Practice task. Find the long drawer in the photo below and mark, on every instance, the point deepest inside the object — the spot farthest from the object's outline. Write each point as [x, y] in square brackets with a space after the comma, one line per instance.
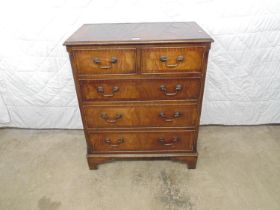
[141, 115]
[140, 89]
[142, 141]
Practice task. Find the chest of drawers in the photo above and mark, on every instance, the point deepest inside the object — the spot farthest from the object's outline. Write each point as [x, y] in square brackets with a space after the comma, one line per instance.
[140, 89]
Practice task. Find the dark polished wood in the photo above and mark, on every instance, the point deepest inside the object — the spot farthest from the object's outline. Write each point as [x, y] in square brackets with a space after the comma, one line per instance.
[140, 89]
[129, 33]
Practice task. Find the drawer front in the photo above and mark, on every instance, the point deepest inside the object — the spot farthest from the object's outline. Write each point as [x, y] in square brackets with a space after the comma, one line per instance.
[142, 141]
[105, 61]
[140, 89]
[123, 116]
[172, 59]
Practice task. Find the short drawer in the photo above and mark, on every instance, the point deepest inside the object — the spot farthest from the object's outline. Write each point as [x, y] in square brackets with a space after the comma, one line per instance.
[142, 141]
[139, 115]
[172, 59]
[140, 89]
[105, 61]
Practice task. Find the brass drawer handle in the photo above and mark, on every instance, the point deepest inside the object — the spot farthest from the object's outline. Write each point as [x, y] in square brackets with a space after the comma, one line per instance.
[170, 119]
[171, 142]
[164, 59]
[177, 89]
[105, 117]
[118, 142]
[97, 61]
[100, 90]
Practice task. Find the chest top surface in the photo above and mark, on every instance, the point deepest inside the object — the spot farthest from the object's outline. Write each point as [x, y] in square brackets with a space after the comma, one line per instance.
[138, 33]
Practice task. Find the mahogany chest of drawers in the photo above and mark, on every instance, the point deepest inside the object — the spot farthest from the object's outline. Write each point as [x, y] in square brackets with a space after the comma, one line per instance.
[140, 89]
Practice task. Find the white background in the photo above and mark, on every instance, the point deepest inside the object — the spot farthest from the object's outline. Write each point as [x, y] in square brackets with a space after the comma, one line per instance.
[36, 85]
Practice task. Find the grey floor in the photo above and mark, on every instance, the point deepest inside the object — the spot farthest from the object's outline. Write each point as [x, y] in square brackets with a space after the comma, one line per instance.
[238, 168]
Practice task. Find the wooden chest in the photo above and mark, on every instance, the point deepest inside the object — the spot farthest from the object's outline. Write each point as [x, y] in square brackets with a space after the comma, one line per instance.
[140, 89]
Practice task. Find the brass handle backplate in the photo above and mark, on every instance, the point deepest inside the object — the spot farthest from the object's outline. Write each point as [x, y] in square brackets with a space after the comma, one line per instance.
[100, 90]
[97, 61]
[170, 119]
[171, 142]
[177, 89]
[118, 142]
[114, 119]
[165, 59]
